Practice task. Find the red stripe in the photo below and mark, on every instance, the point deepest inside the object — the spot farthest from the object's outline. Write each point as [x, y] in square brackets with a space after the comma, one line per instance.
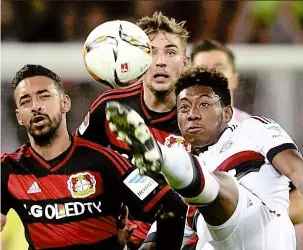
[114, 96]
[112, 137]
[113, 156]
[52, 186]
[193, 241]
[60, 235]
[115, 92]
[16, 155]
[61, 164]
[165, 118]
[156, 198]
[238, 158]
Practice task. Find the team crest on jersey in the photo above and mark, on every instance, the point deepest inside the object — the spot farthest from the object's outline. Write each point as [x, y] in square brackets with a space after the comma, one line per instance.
[174, 141]
[84, 124]
[81, 185]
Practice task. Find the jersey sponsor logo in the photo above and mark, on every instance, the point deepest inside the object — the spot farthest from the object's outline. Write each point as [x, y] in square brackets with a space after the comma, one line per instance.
[81, 185]
[276, 130]
[84, 125]
[34, 188]
[174, 141]
[141, 186]
[59, 211]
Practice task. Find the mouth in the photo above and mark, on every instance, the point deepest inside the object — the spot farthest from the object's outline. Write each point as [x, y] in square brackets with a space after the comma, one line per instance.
[39, 120]
[161, 76]
[194, 129]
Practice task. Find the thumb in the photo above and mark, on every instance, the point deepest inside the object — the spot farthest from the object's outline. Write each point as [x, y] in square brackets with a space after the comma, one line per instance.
[132, 227]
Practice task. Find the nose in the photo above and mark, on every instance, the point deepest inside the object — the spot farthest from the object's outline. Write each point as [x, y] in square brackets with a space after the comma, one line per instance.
[194, 114]
[36, 106]
[160, 60]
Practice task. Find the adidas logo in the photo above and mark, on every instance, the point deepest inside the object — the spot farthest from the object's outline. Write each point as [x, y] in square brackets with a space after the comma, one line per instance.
[34, 188]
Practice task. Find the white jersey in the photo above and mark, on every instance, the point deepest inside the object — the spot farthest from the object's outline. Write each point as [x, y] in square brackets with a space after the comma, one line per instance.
[246, 152]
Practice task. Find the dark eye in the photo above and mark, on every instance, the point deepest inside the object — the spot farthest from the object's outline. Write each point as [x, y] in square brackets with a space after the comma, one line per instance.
[24, 102]
[45, 96]
[171, 52]
[184, 107]
[204, 105]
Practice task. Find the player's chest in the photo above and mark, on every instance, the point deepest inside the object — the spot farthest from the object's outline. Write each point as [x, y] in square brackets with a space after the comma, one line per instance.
[230, 153]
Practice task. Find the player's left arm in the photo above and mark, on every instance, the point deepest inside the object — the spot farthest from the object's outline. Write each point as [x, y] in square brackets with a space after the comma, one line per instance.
[290, 163]
[278, 147]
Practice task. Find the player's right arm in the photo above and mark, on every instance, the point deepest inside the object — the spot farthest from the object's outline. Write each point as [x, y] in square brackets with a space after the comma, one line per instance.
[6, 198]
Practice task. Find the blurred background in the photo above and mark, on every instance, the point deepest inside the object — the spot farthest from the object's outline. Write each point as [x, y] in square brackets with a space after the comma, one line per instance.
[266, 37]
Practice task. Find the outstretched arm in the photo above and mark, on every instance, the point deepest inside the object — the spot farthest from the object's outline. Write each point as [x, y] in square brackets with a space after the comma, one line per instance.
[290, 163]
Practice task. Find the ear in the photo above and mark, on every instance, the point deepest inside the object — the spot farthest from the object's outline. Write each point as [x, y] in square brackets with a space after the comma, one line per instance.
[185, 62]
[228, 113]
[66, 103]
[18, 116]
[234, 83]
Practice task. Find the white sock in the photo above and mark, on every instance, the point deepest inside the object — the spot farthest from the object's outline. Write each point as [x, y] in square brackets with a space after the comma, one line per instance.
[188, 176]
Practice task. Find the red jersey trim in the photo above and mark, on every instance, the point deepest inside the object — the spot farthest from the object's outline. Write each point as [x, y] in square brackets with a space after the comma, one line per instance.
[114, 94]
[156, 198]
[119, 162]
[238, 158]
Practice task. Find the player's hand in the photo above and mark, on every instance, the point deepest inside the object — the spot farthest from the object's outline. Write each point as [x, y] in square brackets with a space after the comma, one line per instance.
[125, 230]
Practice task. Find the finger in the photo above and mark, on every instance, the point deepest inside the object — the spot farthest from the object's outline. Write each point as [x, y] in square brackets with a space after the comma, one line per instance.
[132, 227]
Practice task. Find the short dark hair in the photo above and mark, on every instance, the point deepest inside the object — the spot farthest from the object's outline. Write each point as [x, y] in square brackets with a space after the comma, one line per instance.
[209, 45]
[31, 70]
[208, 78]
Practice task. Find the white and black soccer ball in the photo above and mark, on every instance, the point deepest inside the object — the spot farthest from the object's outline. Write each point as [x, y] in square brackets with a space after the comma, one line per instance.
[117, 53]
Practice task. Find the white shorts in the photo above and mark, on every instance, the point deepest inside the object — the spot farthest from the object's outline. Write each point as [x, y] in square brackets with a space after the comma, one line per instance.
[253, 226]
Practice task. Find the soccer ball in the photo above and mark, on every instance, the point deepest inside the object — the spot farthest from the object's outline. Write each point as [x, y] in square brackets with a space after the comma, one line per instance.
[117, 53]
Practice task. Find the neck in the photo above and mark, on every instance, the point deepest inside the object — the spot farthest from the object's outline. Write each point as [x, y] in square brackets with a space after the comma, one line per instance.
[159, 101]
[232, 98]
[59, 143]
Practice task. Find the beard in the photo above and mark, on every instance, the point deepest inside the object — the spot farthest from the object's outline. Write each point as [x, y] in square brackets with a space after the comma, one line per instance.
[44, 136]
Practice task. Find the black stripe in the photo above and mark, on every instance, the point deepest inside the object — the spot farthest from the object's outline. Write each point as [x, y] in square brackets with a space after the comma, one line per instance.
[152, 237]
[248, 167]
[194, 188]
[274, 151]
[259, 119]
[266, 119]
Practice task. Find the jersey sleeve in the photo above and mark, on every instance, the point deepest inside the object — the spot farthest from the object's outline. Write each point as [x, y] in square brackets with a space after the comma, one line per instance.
[268, 136]
[93, 126]
[6, 198]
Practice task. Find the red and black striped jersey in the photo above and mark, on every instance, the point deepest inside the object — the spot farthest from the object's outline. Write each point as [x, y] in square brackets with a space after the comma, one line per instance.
[72, 201]
[164, 126]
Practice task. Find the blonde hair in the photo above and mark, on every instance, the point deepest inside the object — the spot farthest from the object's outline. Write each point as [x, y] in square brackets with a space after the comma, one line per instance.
[159, 22]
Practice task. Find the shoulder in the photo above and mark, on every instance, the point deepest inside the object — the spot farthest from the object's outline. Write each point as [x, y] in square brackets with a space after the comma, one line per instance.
[105, 153]
[116, 94]
[15, 156]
